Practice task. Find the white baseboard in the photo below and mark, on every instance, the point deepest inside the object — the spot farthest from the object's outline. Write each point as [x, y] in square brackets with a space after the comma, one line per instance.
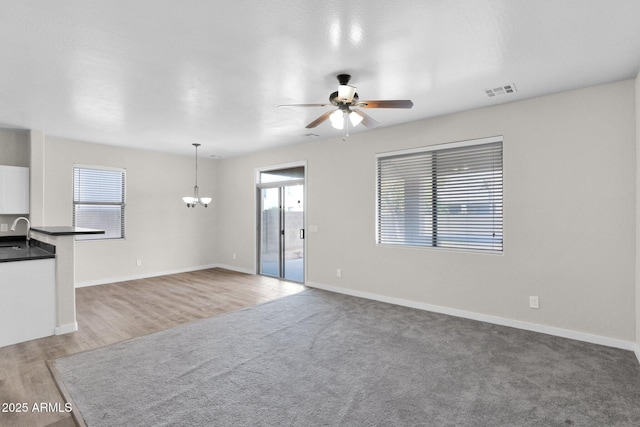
[144, 275]
[66, 329]
[549, 330]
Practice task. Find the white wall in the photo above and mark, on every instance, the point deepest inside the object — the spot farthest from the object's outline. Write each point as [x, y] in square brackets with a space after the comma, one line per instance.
[160, 231]
[569, 206]
[14, 151]
[14, 147]
[637, 111]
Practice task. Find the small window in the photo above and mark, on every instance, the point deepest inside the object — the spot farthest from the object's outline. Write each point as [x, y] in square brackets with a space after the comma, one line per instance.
[446, 196]
[99, 201]
[279, 175]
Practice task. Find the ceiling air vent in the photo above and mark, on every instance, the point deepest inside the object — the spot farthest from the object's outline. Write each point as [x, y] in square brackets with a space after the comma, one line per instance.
[501, 90]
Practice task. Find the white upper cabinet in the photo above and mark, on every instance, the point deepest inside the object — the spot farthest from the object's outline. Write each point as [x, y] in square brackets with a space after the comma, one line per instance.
[14, 190]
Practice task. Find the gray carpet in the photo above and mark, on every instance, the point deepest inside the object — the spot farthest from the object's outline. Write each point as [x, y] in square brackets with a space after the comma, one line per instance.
[323, 359]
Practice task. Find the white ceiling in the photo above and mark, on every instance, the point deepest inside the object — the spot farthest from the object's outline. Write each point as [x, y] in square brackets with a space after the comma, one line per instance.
[163, 74]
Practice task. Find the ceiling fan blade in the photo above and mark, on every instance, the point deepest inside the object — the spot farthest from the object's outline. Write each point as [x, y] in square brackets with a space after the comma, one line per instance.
[367, 120]
[304, 105]
[319, 120]
[399, 103]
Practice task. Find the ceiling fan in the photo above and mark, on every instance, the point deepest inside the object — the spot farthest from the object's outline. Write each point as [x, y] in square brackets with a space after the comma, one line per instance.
[348, 103]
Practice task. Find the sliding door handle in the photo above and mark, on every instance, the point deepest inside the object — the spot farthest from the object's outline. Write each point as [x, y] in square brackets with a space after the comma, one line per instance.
[302, 233]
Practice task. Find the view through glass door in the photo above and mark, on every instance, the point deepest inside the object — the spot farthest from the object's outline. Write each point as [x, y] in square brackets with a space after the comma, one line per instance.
[281, 228]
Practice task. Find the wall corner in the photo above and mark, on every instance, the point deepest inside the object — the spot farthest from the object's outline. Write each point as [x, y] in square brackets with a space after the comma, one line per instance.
[637, 255]
[37, 189]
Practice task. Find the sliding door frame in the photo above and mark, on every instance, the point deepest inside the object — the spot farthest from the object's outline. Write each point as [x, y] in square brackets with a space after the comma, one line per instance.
[258, 186]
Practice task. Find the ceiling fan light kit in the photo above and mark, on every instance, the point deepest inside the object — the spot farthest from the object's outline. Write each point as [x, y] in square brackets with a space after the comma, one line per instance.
[346, 93]
[355, 118]
[337, 119]
[348, 103]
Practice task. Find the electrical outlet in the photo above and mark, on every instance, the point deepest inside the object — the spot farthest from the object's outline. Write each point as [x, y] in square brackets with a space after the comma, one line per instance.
[339, 272]
[139, 263]
[4, 227]
[534, 302]
[235, 256]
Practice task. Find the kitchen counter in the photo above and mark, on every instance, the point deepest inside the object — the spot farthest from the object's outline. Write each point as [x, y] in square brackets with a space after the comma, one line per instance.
[63, 238]
[65, 231]
[17, 250]
[38, 293]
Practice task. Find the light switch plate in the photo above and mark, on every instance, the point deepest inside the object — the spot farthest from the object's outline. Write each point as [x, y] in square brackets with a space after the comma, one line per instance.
[534, 302]
[4, 227]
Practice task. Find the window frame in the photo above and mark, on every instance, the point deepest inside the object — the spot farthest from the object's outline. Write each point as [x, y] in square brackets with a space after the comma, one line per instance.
[435, 218]
[122, 204]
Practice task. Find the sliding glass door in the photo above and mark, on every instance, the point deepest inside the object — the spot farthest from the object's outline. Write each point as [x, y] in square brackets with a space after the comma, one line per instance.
[281, 224]
[293, 233]
[270, 232]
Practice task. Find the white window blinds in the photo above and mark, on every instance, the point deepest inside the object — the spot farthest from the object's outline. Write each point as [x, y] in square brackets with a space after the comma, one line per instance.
[99, 201]
[448, 196]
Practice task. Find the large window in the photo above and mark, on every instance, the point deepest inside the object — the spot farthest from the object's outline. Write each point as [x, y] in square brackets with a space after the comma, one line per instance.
[447, 196]
[99, 201]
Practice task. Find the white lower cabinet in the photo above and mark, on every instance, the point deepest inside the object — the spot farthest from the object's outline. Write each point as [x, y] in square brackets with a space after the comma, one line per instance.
[27, 300]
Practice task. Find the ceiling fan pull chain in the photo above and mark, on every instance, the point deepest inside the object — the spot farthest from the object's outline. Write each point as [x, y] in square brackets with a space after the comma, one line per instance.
[346, 126]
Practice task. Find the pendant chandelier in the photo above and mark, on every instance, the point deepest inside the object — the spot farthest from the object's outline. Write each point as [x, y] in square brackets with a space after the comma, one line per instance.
[194, 200]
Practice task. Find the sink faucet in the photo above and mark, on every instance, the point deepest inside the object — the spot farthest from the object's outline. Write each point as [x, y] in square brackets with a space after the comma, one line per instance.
[13, 226]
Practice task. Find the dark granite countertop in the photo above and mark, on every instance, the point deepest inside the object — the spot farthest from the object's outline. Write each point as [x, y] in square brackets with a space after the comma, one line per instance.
[65, 231]
[16, 249]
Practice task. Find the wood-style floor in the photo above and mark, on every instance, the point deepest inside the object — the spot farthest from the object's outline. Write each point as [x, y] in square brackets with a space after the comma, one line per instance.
[117, 312]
